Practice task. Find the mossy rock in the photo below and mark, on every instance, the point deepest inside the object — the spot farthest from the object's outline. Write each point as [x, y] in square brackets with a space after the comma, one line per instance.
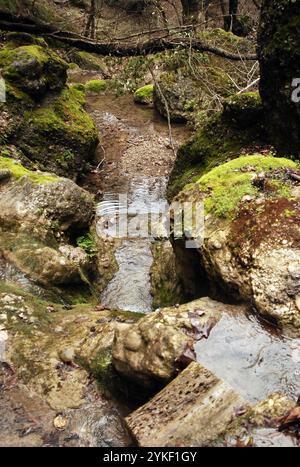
[96, 86]
[16, 170]
[61, 137]
[33, 69]
[17, 39]
[244, 109]
[87, 61]
[144, 95]
[250, 245]
[223, 137]
[225, 186]
[186, 93]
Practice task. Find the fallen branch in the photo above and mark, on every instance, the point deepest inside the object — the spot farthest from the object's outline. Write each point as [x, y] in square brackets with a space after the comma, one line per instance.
[114, 48]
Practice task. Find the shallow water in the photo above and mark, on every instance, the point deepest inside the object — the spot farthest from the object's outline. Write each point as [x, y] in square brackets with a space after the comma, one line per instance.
[252, 357]
[130, 288]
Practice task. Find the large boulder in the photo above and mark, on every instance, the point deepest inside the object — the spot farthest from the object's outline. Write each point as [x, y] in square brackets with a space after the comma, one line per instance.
[57, 135]
[34, 69]
[153, 350]
[60, 136]
[39, 212]
[279, 53]
[185, 94]
[194, 84]
[251, 245]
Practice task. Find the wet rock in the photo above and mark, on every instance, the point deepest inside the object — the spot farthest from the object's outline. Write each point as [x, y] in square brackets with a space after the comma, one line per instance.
[166, 288]
[260, 424]
[258, 253]
[193, 410]
[153, 350]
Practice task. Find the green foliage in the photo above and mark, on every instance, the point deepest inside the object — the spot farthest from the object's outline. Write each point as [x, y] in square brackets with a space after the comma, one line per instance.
[219, 140]
[88, 244]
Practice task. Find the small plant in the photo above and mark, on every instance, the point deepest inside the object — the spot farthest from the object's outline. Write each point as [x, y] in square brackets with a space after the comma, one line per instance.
[87, 243]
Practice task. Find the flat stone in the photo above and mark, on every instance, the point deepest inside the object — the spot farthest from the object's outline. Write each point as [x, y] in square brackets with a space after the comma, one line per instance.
[193, 410]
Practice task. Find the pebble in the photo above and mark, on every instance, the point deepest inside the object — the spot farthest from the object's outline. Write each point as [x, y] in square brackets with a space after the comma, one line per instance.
[60, 422]
[67, 355]
[247, 198]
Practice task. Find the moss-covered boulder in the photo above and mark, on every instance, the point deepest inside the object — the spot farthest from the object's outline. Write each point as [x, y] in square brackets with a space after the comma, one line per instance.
[279, 52]
[194, 84]
[144, 95]
[39, 213]
[88, 61]
[250, 249]
[238, 128]
[185, 93]
[96, 86]
[33, 69]
[59, 135]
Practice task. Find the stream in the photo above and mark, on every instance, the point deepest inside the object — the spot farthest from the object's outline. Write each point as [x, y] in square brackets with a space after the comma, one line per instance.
[250, 354]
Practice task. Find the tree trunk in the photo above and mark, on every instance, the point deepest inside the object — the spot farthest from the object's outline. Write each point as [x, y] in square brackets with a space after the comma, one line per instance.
[190, 11]
[230, 20]
[90, 29]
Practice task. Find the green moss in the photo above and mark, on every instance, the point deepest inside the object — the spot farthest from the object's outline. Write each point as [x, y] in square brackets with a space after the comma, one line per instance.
[219, 140]
[244, 109]
[144, 95]
[78, 87]
[87, 61]
[226, 185]
[18, 171]
[96, 86]
[67, 126]
[32, 69]
[15, 39]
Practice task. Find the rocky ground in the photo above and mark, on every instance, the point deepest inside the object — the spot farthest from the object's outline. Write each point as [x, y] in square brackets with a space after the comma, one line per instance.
[75, 373]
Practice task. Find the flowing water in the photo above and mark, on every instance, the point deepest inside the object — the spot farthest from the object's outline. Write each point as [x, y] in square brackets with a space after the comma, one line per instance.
[250, 355]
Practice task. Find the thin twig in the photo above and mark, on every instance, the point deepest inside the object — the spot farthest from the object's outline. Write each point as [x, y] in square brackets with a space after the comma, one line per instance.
[167, 108]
